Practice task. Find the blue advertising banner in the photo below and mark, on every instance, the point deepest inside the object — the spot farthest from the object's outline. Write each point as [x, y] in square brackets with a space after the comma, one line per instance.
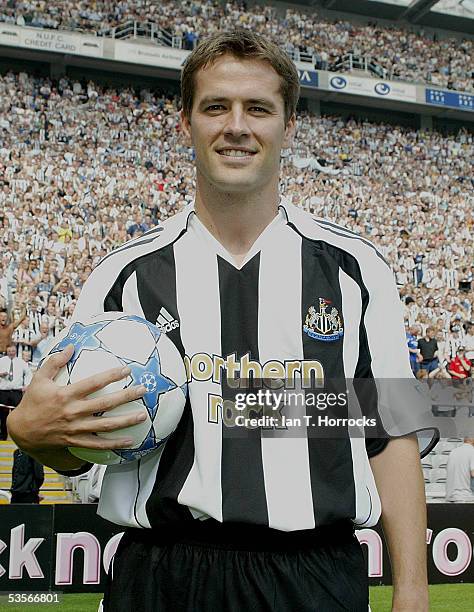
[308, 78]
[454, 99]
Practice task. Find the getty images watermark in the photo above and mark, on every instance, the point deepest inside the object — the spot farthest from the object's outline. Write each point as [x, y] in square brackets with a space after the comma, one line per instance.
[270, 406]
[369, 408]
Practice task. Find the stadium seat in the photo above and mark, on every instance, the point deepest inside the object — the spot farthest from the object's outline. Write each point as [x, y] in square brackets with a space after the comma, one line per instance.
[438, 475]
[427, 462]
[439, 448]
[448, 447]
[435, 490]
[5, 496]
[440, 461]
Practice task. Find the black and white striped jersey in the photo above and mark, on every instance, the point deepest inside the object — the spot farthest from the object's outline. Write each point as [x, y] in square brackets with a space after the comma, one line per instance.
[180, 277]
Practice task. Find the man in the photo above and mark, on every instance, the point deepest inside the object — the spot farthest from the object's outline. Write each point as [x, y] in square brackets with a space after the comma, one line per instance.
[40, 342]
[460, 470]
[429, 351]
[413, 349]
[460, 367]
[241, 521]
[27, 479]
[15, 375]
[7, 329]
[469, 341]
[138, 225]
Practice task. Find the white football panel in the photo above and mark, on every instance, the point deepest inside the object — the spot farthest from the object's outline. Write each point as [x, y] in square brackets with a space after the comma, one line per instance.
[128, 339]
[170, 410]
[96, 362]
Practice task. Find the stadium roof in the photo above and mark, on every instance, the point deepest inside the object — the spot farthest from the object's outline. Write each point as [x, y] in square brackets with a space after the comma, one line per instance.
[444, 14]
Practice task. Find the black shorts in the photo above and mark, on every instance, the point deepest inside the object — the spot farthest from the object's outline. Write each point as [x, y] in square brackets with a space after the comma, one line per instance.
[210, 567]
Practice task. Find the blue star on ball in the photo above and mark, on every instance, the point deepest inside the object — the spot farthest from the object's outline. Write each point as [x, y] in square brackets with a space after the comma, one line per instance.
[150, 376]
[82, 337]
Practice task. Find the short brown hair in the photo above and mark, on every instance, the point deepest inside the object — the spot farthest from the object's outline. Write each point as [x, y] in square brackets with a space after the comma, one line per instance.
[242, 44]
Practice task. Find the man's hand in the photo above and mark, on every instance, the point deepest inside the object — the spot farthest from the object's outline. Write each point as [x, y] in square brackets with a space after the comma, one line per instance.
[51, 417]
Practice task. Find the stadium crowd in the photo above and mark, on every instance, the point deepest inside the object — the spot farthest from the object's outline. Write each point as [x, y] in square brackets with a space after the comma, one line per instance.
[401, 53]
[84, 168]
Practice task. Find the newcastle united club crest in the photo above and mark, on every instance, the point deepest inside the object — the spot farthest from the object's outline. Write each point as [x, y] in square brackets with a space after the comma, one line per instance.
[325, 324]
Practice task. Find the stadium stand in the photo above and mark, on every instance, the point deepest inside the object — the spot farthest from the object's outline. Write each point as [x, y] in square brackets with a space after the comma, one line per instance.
[395, 51]
[85, 166]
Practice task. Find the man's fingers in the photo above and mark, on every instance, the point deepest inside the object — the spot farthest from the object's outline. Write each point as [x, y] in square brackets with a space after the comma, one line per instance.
[53, 364]
[112, 400]
[94, 383]
[98, 443]
[110, 423]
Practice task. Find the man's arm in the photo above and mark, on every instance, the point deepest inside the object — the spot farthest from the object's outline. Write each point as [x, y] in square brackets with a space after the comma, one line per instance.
[21, 318]
[456, 374]
[399, 480]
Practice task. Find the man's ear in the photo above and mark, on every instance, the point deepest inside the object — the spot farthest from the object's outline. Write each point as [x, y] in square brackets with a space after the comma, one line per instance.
[185, 127]
[290, 130]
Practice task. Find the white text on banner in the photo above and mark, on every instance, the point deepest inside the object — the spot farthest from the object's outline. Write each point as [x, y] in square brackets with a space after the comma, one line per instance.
[375, 88]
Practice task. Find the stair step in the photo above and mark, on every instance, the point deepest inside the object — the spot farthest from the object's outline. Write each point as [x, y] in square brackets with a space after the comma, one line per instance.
[56, 495]
[49, 486]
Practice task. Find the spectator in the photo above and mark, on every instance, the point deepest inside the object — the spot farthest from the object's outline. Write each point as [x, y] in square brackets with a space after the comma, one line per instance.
[428, 347]
[7, 329]
[15, 375]
[40, 343]
[413, 349]
[460, 367]
[27, 479]
[469, 341]
[460, 471]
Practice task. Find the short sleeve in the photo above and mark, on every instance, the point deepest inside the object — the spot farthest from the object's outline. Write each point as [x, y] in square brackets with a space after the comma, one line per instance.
[374, 446]
[401, 403]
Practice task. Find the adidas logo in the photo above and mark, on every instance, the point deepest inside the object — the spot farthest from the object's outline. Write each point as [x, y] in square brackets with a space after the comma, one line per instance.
[165, 322]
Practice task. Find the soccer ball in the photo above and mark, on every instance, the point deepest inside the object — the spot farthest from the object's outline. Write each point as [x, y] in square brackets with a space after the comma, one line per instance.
[117, 339]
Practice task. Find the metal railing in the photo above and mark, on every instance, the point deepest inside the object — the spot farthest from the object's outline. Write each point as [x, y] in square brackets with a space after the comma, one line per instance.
[300, 56]
[364, 63]
[148, 30]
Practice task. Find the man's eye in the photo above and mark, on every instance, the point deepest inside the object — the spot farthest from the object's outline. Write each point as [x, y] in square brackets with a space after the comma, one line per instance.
[215, 107]
[259, 109]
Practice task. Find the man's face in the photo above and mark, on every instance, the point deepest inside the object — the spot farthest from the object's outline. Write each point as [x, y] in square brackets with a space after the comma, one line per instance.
[237, 125]
[11, 352]
[3, 318]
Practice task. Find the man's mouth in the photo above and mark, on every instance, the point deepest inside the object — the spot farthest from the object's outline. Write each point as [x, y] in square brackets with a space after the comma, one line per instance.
[236, 153]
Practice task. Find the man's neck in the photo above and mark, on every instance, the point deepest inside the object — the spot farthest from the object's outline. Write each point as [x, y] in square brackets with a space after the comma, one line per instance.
[236, 220]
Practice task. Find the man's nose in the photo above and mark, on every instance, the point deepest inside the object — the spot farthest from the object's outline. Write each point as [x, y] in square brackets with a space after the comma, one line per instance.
[236, 124]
